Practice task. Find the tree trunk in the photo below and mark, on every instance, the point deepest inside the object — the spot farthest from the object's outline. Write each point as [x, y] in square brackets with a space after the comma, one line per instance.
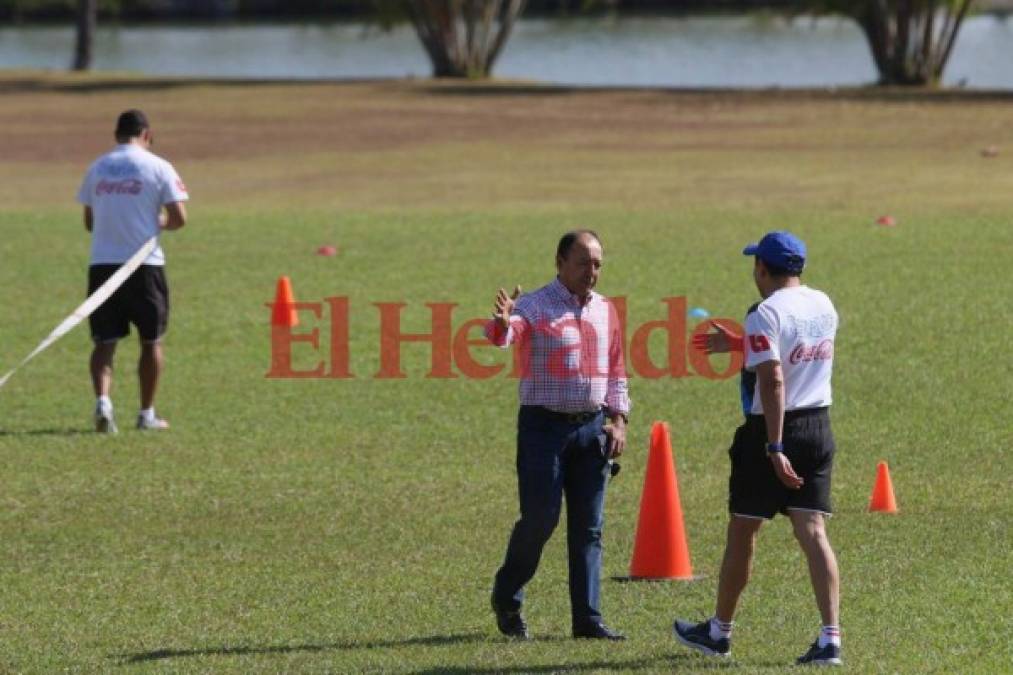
[463, 38]
[87, 17]
[909, 43]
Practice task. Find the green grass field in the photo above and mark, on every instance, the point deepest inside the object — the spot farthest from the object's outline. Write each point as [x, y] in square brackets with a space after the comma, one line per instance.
[354, 525]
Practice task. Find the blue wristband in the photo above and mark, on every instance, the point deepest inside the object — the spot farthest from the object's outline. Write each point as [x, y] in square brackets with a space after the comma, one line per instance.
[775, 447]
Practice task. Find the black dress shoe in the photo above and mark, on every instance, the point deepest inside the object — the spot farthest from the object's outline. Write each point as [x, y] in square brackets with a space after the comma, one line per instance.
[510, 623]
[596, 631]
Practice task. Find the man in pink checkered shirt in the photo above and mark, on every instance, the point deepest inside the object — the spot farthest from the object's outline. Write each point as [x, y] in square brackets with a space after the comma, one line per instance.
[571, 425]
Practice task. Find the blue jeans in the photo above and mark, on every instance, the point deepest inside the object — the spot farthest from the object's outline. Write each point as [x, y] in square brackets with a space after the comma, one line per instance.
[556, 458]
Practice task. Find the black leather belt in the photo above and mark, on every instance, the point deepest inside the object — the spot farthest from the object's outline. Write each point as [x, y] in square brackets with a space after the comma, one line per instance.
[569, 417]
[823, 411]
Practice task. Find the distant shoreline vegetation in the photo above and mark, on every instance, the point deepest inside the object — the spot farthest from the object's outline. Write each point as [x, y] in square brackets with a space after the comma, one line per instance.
[153, 10]
[52, 10]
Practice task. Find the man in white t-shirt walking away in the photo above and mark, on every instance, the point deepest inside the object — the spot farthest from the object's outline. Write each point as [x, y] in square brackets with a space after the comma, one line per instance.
[782, 456]
[130, 195]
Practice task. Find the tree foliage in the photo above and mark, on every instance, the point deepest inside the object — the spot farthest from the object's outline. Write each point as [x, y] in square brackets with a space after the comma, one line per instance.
[911, 40]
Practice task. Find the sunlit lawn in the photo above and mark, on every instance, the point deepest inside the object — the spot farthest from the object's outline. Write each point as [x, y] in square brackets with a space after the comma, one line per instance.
[348, 525]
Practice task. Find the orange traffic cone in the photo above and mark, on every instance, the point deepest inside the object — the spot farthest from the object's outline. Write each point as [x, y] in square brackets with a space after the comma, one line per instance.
[882, 499]
[283, 309]
[660, 550]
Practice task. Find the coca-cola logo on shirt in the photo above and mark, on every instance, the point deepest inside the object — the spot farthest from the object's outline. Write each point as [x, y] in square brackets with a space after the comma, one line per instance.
[802, 353]
[127, 186]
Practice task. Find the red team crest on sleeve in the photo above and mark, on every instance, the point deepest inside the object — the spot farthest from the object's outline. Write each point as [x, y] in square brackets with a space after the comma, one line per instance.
[180, 186]
[759, 343]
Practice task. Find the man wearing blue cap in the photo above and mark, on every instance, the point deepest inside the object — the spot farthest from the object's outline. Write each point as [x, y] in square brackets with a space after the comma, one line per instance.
[782, 456]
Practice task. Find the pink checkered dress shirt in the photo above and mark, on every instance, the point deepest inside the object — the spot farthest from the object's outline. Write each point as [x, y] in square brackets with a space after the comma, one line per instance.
[571, 355]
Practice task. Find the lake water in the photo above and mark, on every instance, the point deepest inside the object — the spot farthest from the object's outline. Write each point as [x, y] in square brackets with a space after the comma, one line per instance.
[736, 51]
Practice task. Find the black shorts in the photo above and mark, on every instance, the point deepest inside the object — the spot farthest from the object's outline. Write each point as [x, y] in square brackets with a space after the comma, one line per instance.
[754, 489]
[142, 300]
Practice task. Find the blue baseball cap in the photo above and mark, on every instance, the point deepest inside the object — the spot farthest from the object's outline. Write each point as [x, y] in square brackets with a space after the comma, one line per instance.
[780, 249]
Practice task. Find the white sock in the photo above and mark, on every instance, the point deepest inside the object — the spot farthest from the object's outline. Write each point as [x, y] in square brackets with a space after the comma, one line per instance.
[829, 635]
[105, 402]
[720, 629]
[148, 414]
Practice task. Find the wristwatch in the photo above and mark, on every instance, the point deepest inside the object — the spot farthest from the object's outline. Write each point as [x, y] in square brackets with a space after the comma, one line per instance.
[774, 448]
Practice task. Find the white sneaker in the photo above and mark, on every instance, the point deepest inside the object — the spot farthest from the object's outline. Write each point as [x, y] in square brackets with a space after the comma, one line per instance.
[152, 423]
[104, 423]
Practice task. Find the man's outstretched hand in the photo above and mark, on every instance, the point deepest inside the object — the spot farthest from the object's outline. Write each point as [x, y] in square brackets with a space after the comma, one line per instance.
[721, 341]
[504, 306]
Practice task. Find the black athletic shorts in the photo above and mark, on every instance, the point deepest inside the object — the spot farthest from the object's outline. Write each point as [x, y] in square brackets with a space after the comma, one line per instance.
[142, 300]
[754, 489]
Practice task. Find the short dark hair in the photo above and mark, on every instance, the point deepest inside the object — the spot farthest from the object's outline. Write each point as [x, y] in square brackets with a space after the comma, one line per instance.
[567, 241]
[777, 271]
[131, 123]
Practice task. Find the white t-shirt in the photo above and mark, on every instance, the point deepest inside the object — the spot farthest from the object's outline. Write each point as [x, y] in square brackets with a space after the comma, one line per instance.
[795, 326]
[126, 189]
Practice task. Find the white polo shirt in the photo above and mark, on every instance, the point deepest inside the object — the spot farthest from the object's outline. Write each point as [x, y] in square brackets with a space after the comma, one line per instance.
[795, 326]
[126, 189]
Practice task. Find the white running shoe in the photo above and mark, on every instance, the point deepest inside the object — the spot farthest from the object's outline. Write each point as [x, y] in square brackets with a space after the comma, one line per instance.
[104, 423]
[151, 424]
